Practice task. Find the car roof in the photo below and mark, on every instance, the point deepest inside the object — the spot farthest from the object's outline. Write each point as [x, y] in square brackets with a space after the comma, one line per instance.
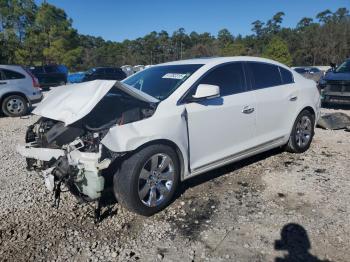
[17, 68]
[11, 66]
[219, 60]
[104, 67]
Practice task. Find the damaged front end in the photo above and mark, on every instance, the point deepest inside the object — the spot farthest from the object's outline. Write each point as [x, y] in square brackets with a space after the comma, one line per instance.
[67, 155]
[73, 155]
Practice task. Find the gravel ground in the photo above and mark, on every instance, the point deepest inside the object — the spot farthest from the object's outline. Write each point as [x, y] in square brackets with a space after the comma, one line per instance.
[235, 213]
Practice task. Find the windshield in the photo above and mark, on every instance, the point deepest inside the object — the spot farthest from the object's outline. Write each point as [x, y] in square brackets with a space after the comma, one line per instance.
[344, 67]
[161, 81]
[90, 71]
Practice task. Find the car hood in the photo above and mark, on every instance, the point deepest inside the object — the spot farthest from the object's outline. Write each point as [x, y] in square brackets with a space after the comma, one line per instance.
[337, 76]
[70, 103]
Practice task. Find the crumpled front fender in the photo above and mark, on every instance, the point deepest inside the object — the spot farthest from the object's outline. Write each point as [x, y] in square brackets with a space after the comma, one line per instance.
[129, 137]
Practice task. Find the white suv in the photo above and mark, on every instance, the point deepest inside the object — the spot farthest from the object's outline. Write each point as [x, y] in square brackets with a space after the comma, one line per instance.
[18, 90]
[166, 124]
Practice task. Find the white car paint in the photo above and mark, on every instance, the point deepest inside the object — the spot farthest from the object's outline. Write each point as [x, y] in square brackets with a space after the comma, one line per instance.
[218, 133]
[217, 140]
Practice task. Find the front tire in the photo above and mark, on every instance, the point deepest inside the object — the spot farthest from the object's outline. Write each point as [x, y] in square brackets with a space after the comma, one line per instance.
[14, 106]
[302, 133]
[147, 180]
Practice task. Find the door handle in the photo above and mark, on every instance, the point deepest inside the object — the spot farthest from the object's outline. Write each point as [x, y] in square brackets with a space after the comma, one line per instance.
[293, 98]
[248, 110]
[3, 83]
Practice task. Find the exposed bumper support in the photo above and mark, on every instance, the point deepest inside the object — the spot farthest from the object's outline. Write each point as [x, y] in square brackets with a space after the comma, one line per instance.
[87, 177]
[43, 154]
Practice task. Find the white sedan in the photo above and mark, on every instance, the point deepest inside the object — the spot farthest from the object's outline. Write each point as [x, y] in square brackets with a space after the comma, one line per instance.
[165, 124]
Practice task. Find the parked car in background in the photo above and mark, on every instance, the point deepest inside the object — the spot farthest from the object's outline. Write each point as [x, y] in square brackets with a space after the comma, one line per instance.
[335, 85]
[128, 69]
[18, 90]
[166, 124]
[76, 77]
[310, 72]
[104, 73]
[138, 68]
[50, 75]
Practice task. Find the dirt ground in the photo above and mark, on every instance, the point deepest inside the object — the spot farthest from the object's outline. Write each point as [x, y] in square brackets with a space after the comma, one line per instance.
[275, 206]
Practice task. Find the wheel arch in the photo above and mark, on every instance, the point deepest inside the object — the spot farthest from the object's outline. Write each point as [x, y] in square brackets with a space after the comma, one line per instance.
[13, 93]
[310, 109]
[5, 95]
[306, 107]
[174, 146]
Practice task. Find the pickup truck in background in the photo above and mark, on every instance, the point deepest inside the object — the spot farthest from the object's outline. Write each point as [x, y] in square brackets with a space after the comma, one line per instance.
[335, 85]
[50, 75]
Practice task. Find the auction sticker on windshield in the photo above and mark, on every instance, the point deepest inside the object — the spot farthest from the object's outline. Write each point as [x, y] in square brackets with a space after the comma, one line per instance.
[174, 76]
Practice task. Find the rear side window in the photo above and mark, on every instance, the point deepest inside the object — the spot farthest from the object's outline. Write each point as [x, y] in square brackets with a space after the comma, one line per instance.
[100, 71]
[51, 69]
[37, 70]
[109, 70]
[230, 79]
[286, 75]
[265, 75]
[11, 75]
[120, 74]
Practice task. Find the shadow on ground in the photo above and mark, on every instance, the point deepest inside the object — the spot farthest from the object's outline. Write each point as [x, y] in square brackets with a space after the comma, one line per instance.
[295, 241]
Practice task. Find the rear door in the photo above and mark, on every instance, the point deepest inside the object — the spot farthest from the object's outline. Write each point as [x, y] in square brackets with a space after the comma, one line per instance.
[11, 79]
[221, 127]
[276, 98]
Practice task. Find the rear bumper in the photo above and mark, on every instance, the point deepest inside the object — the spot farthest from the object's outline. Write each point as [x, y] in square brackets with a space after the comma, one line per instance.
[36, 98]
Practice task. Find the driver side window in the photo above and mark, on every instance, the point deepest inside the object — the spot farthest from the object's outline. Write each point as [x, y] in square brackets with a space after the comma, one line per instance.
[229, 77]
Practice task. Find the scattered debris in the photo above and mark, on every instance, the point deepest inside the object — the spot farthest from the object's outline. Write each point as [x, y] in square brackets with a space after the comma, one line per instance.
[334, 121]
[281, 195]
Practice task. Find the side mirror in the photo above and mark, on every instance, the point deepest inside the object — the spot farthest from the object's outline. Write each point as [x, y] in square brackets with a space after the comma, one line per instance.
[205, 91]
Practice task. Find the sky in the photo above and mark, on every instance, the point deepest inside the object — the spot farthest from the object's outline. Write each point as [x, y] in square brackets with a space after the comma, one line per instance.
[118, 20]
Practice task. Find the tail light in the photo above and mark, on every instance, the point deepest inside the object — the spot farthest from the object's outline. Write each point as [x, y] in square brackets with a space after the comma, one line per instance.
[34, 79]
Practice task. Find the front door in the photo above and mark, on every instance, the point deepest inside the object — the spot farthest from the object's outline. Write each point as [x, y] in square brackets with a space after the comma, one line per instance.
[221, 127]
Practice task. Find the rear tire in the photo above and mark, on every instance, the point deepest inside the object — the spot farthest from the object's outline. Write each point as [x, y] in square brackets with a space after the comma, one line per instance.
[302, 133]
[147, 180]
[14, 106]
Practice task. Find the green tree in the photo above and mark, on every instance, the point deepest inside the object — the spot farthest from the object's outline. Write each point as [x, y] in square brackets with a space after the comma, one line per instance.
[274, 25]
[324, 16]
[224, 38]
[277, 49]
[258, 28]
[16, 16]
[233, 49]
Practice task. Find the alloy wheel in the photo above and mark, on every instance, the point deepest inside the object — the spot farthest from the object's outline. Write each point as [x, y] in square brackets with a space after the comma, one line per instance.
[303, 131]
[156, 179]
